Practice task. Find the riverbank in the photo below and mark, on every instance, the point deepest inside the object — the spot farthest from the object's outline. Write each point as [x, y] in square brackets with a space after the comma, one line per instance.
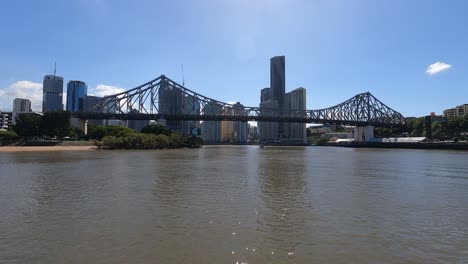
[444, 146]
[46, 148]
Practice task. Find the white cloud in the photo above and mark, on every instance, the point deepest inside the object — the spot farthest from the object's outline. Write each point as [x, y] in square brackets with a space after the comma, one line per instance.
[437, 67]
[105, 90]
[21, 89]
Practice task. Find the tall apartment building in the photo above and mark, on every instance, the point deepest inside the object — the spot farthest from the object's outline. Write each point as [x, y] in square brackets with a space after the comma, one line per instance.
[170, 103]
[191, 106]
[52, 93]
[76, 96]
[296, 100]
[227, 127]
[268, 130]
[20, 105]
[211, 130]
[240, 127]
[266, 94]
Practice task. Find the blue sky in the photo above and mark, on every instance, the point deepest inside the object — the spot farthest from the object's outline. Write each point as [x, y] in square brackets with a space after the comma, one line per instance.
[333, 48]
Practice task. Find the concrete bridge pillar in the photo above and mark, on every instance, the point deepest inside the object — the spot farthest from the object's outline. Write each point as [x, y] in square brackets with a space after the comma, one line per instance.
[84, 126]
[363, 134]
[81, 124]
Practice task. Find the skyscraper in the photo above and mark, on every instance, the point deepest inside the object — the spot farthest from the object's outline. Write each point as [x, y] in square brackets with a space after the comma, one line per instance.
[278, 86]
[268, 130]
[266, 94]
[52, 93]
[227, 127]
[170, 102]
[211, 130]
[277, 79]
[191, 106]
[20, 105]
[276, 103]
[240, 127]
[76, 95]
[297, 104]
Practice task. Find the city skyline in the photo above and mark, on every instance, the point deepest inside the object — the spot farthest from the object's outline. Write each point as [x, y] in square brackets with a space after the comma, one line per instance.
[401, 53]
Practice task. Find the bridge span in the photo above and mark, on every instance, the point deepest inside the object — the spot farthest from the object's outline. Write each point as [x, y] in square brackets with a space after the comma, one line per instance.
[163, 98]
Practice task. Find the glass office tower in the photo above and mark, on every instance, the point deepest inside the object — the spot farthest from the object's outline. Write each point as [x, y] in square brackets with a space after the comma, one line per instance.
[52, 93]
[76, 96]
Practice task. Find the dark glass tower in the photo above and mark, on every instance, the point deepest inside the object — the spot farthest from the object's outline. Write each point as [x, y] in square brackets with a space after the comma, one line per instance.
[277, 79]
[277, 85]
[76, 95]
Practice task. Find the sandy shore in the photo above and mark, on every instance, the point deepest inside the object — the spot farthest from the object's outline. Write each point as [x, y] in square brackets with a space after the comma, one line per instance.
[46, 148]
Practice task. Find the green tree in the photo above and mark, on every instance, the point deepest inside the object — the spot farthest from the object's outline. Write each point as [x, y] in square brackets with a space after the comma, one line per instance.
[8, 135]
[28, 125]
[193, 142]
[56, 123]
[99, 132]
[157, 130]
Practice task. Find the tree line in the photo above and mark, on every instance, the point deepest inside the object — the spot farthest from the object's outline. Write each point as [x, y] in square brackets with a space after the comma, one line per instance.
[454, 128]
[49, 125]
[56, 124]
[151, 137]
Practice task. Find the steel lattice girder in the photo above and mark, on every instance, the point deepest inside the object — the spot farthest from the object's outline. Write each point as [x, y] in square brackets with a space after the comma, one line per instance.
[164, 98]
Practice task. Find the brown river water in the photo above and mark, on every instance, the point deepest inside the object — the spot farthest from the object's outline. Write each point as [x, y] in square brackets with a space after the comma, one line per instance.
[234, 204]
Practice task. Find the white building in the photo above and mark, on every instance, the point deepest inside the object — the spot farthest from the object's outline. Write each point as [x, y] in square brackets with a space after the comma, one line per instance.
[5, 120]
[457, 111]
[295, 101]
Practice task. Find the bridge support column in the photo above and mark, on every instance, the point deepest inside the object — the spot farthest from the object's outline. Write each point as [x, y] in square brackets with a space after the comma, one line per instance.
[363, 134]
[84, 126]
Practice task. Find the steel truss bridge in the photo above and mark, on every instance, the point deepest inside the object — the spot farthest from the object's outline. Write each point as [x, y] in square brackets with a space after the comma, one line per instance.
[162, 98]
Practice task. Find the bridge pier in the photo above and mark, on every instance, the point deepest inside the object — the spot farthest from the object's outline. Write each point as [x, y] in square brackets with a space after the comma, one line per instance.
[84, 126]
[81, 124]
[363, 134]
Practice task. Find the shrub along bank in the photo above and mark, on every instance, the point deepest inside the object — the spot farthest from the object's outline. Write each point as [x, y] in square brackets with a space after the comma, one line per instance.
[153, 137]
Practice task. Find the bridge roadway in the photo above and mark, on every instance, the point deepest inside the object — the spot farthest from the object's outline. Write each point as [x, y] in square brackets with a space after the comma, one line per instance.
[116, 116]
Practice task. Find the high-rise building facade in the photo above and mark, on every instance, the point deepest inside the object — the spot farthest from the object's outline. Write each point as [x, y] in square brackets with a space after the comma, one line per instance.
[240, 127]
[268, 130]
[170, 101]
[52, 93]
[90, 101]
[297, 104]
[275, 103]
[76, 96]
[227, 127]
[20, 105]
[253, 132]
[266, 94]
[191, 106]
[278, 79]
[211, 130]
[278, 86]
[136, 125]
